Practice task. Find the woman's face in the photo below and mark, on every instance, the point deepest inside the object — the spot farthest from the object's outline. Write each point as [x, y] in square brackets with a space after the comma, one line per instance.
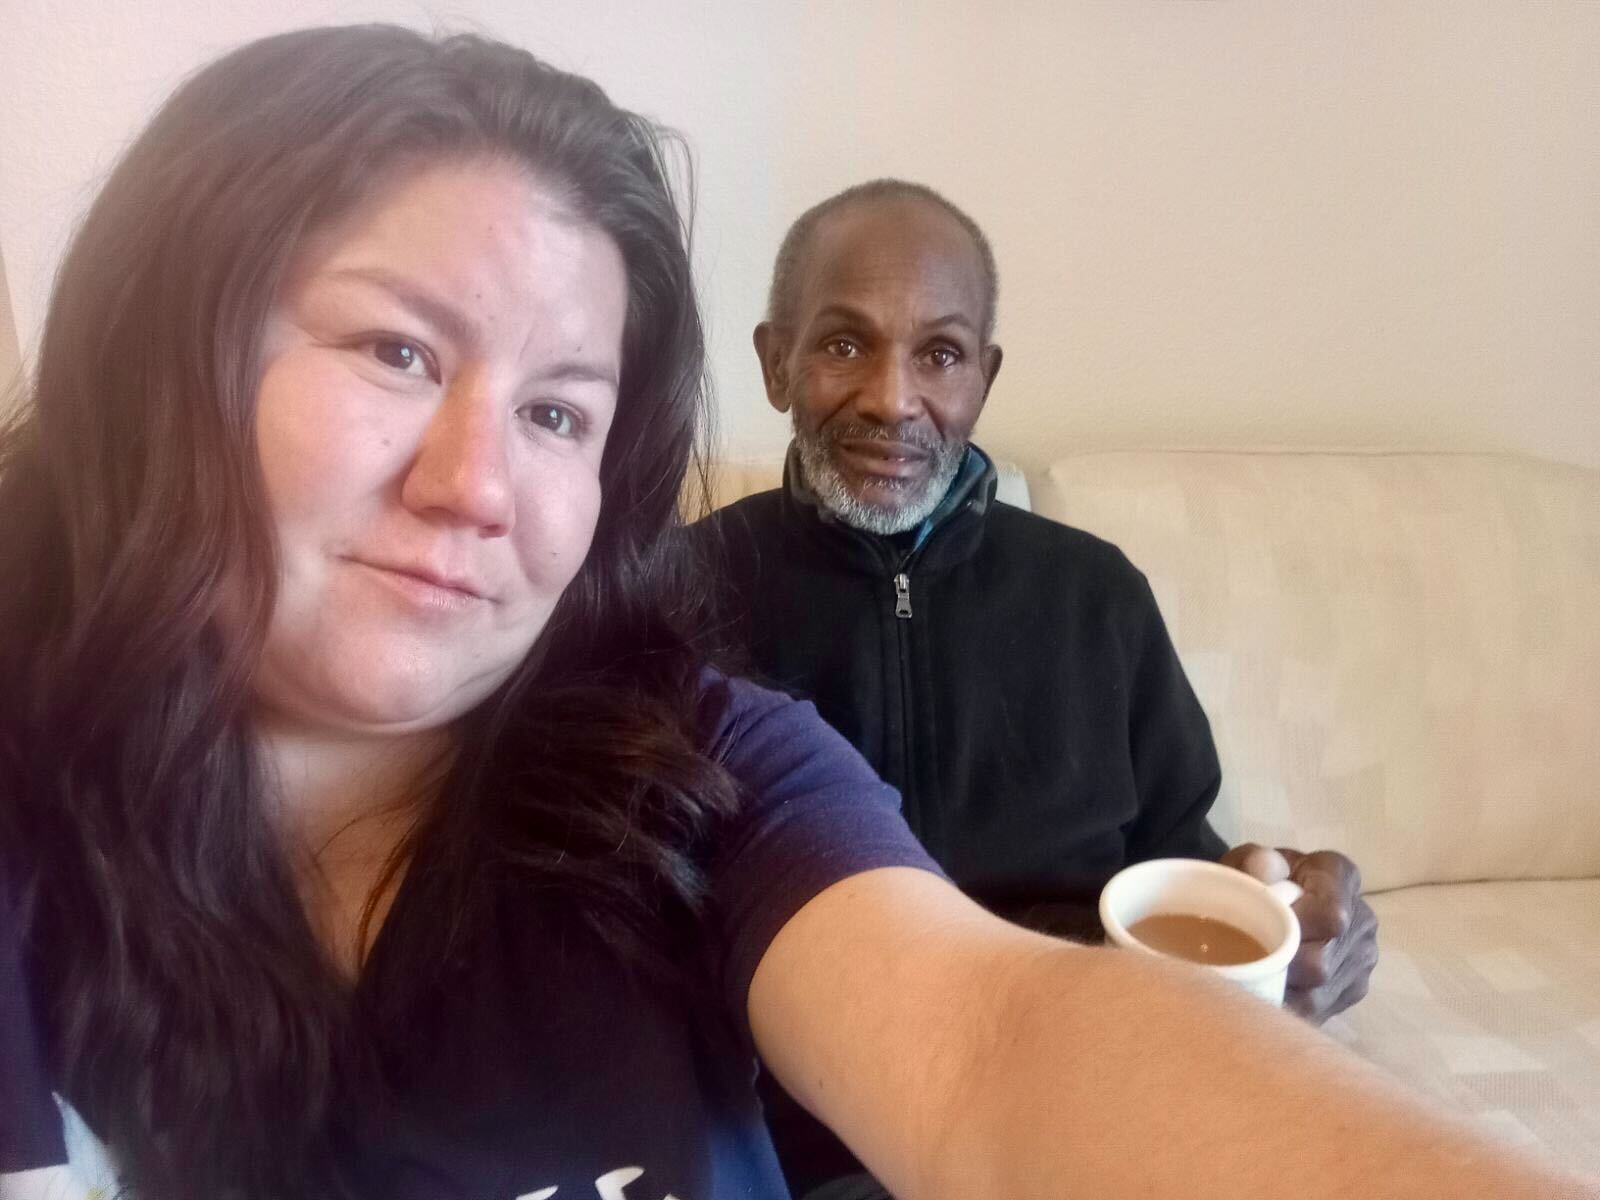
[440, 373]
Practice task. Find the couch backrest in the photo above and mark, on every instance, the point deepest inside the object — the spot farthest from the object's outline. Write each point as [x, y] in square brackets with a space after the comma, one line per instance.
[1400, 654]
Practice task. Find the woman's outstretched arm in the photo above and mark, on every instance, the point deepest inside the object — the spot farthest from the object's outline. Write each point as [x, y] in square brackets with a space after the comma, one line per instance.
[963, 1058]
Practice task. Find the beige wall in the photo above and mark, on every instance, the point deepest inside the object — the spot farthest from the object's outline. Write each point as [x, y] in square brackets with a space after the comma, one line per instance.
[1219, 222]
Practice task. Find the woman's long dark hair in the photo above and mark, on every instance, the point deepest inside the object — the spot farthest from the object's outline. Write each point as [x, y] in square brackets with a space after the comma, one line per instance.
[190, 1012]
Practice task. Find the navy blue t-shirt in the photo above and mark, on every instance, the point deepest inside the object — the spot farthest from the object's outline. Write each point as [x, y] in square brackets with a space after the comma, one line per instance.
[543, 1071]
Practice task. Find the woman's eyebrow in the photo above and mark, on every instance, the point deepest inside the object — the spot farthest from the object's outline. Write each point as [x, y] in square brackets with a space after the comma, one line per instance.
[457, 326]
[580, 371]
[439, 313]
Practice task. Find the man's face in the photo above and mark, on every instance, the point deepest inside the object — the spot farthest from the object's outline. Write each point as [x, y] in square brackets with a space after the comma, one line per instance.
[884, 368]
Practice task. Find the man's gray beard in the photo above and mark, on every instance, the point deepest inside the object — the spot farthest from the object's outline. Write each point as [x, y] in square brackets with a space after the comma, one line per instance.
[833, 493]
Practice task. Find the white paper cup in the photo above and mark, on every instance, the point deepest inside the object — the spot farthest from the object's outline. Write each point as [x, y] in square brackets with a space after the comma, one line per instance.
[1206, 889]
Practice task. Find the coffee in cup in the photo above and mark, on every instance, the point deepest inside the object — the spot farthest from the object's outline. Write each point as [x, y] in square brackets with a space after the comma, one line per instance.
[1202, 912]
[1203, 940]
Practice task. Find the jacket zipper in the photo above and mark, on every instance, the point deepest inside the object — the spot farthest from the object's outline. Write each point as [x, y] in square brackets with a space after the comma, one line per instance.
[902, 595]
[911, 793]
[902, 577]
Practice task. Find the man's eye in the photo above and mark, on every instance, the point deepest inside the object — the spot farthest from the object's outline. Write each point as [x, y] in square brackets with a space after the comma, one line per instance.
[401, 355]
[944, 356]
[557, 418]
[842, 348]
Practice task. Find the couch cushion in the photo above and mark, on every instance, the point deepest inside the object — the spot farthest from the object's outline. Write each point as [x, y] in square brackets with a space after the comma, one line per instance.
[1400, 654]
[1487, 998]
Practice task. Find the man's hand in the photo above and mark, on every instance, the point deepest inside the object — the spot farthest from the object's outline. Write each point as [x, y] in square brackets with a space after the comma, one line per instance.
[1338, 929]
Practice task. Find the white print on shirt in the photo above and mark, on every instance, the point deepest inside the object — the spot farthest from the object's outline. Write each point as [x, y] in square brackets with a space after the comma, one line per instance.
[89, 1173]
[609, 1186]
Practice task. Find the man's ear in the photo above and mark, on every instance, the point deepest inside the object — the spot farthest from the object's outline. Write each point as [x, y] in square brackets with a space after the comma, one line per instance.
[991, 357]
[772, 350]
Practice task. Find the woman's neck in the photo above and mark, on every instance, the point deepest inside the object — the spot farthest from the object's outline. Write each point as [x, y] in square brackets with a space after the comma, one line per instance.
[345, 805]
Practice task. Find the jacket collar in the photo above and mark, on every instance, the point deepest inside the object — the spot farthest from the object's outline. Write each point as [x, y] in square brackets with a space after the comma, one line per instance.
[950, 534]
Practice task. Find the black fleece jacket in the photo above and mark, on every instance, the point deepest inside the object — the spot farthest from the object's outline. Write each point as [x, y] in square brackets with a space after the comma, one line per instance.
[1011, 676]
[1026, 701]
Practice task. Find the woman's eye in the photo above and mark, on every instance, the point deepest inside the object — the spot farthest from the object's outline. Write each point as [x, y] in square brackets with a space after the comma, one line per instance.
[401, 355]
[557, 418]
[944, 356]
[842, 348]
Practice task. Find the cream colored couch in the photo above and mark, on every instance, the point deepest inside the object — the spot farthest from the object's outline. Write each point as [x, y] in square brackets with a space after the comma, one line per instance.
[1400, 656]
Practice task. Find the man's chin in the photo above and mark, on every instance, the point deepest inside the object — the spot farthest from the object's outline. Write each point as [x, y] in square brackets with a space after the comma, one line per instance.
[873, 502]
[889, 490]
[871, 489]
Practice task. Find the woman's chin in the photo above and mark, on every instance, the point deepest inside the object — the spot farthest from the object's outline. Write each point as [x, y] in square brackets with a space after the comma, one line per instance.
[378, 704]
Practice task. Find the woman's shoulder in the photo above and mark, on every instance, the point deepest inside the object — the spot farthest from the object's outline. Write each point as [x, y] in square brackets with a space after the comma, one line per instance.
[749, 724]
[736, 703]
[795, 772]
[812, 813]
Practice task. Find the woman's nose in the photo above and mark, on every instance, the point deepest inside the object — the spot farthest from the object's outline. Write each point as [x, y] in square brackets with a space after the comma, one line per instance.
[462, 469]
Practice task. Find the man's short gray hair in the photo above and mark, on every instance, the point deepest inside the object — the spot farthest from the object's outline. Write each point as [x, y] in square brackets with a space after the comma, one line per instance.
[783, 294]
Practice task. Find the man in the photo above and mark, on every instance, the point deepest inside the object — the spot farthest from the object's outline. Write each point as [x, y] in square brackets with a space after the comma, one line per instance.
[1011, 676]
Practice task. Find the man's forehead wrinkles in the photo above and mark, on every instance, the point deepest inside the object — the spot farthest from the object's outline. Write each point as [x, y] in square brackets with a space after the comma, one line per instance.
[902, 317]
[850, 272]
[916, 298]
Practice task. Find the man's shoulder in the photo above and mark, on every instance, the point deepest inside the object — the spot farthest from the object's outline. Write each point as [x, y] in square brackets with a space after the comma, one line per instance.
[1049, 545]
[756, 509]
[736, 539]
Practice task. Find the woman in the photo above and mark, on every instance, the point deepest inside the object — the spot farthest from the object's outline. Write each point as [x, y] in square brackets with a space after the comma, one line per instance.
[369, 824]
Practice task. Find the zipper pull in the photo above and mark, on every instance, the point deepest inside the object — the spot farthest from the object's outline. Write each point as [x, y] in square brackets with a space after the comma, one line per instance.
[902, 596]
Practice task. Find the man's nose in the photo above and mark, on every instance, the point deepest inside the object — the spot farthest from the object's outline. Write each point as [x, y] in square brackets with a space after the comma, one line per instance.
[891, 394]
[462, 470]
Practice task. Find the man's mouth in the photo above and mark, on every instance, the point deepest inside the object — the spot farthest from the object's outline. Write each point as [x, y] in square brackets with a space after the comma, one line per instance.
[884, 458]
[889, 451]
